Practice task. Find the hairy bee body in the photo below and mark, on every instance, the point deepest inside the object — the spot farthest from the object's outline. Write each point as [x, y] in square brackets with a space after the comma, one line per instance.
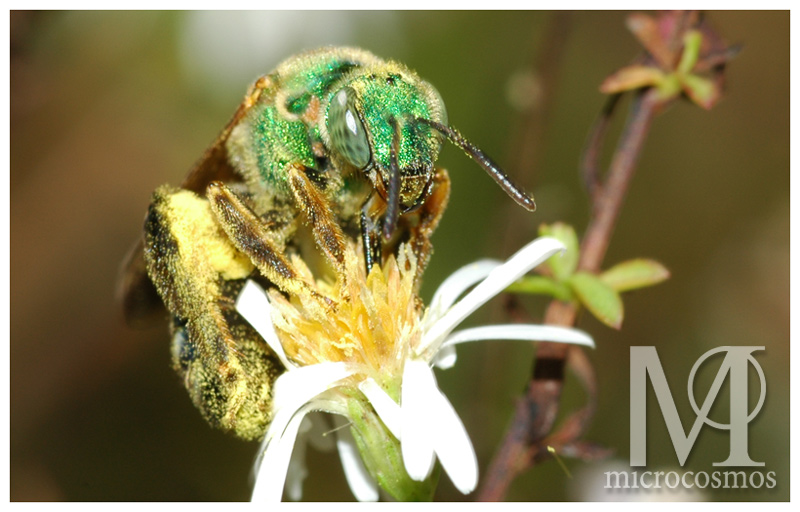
[334, 144]
[275, 185]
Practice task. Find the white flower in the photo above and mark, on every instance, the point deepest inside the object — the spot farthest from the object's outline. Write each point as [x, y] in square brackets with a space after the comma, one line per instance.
[374, 349]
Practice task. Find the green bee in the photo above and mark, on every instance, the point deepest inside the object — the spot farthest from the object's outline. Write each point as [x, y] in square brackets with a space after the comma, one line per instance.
[334, 144]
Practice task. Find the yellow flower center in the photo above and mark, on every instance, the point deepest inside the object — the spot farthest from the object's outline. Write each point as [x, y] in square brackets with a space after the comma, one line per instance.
[373, 323]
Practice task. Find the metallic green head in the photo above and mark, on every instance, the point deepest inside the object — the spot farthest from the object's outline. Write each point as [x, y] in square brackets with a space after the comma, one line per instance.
[375, 120]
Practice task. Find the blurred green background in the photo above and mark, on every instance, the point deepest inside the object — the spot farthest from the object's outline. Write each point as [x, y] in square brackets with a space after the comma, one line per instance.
[105, 106]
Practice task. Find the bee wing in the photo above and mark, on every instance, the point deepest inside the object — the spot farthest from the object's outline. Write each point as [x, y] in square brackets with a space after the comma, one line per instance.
[141, 304]
[214, 165]
[140, 301]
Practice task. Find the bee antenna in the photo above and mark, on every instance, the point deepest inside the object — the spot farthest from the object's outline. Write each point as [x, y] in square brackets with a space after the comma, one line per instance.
[393, 196]
[521, 197]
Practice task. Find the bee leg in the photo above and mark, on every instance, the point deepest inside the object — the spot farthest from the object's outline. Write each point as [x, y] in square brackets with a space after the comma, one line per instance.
[393, 197]
[319, 217]
[251, 236]
[370, 239]
[427, 217]
[226, 366]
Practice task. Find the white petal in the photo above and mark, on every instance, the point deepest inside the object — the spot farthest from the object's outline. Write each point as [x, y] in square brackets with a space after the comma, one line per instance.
[297, 472]
[416, 445]
[525, 332]
[387, 409]
[278, 429]
[451, 443]
[271, 475]
[441, 426]
[313, 431]
[358, 478]
[445, 358]
[498, 280]
[457, 283]
[296, 387]
[254, 306]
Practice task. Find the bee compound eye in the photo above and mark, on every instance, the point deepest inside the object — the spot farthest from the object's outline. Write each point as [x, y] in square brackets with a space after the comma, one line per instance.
[347, 134]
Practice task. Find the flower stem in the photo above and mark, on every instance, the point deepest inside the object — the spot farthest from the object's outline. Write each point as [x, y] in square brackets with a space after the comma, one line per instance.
[382, 455]
[535, 413]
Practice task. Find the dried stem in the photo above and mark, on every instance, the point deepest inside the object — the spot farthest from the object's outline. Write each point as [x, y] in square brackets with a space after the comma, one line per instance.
[535, 413]
[591, 155]
[608, 200]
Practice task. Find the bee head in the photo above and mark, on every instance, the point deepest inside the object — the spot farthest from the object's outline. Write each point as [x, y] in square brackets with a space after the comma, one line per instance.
[371, 124]
[390, 124]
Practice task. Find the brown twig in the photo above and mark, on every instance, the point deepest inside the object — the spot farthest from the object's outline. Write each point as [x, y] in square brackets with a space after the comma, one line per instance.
[607, 202]
[668, 41]
[594, 146]
[535, 413]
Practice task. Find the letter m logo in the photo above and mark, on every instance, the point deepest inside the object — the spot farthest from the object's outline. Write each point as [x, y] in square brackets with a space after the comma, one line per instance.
[645, 362]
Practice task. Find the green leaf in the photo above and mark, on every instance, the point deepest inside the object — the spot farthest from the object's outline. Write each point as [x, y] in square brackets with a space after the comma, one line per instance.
[564, 264]
[702, 91]
[670, 86]
[541, 285]
[633, 274]
[692, 42]
[599, 298]
[630, 78]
